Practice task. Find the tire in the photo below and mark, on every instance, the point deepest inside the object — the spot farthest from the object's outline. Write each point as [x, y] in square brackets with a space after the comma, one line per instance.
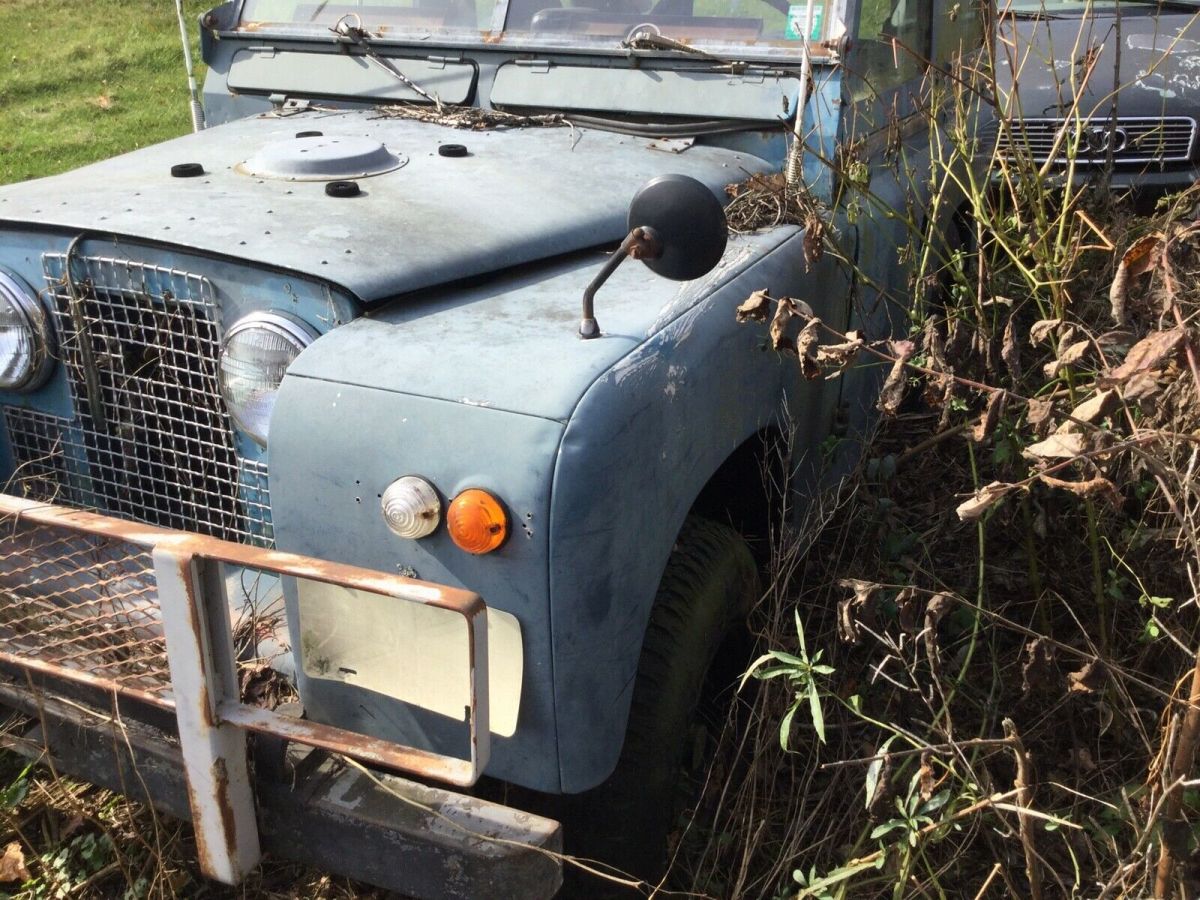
[708, 586]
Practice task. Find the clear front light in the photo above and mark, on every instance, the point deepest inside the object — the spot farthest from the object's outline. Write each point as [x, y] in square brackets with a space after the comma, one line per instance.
[24, 336]
[254, 357]
[411, 507]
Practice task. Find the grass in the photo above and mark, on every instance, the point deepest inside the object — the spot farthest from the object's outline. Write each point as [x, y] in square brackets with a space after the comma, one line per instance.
[83, 80]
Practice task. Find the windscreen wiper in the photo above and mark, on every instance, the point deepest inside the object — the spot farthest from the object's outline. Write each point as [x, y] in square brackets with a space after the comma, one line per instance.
[642, 38]
[1028, 14]
[361, 38]
[1174, 5]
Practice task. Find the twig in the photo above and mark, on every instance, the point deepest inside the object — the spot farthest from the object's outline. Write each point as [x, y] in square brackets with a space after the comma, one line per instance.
[929, 748]
[1185, 751]
[1024, 787]
[985, 803]
[931, 442]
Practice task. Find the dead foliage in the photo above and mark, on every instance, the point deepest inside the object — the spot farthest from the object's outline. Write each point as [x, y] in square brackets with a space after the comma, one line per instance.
[1011, 611]
[767, 201]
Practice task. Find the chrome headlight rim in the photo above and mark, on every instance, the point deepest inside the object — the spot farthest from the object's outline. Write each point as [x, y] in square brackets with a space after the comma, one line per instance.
[282, 324]
[37, 320]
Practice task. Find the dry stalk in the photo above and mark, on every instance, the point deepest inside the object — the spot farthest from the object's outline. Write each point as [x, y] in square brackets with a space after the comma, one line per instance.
[1185, 752]
[1023, 784]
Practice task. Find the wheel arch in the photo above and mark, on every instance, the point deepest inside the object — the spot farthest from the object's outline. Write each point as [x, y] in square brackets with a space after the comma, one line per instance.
[673, 427]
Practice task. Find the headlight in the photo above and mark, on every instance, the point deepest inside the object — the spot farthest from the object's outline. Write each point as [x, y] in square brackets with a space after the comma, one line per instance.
[254, 356]
[24, 336]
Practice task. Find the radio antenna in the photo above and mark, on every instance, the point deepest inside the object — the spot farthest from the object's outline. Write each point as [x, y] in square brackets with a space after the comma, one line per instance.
[193, 92]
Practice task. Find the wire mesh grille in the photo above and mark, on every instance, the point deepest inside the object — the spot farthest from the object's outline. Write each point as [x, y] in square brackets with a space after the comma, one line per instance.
[82, 602]
[151, 440]
[1158, 140]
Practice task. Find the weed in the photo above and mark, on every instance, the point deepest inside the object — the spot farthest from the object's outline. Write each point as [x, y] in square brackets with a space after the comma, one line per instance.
[1003, 598]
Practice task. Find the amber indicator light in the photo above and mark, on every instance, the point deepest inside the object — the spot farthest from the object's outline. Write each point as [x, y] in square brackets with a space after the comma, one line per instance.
[476, 521]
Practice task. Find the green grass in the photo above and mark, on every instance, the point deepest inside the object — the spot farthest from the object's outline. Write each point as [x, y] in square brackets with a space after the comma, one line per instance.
[82, 80]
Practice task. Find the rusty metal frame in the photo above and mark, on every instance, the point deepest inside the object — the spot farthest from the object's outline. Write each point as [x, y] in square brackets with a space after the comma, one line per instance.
[211, 718]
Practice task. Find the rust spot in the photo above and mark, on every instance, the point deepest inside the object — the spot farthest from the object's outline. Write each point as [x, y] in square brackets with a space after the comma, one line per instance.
[465, 603]
[221, 797]
[203, 853]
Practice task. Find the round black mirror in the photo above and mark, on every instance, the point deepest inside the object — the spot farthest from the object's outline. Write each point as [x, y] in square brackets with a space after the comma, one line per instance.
[687, 219]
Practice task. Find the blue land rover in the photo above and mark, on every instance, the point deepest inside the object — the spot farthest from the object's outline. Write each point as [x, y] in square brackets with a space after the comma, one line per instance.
[352, 385]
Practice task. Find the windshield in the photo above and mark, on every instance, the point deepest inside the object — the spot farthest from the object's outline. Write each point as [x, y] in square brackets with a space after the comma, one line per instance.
[708, 21]
[1076, 8]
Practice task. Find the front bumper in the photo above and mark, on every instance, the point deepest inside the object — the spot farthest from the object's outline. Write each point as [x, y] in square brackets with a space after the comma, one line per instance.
[134, 621]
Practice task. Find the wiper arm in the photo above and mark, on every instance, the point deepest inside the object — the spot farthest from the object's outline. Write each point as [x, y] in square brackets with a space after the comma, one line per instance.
[1177, 5]
[1029, 14]
[642, 38]
[361, 38]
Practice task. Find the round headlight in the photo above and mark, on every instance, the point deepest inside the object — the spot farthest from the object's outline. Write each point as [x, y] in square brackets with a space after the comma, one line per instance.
[24, 336]
[254, 356]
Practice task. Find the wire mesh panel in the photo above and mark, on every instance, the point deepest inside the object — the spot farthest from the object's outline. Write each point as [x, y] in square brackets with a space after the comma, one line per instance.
[82, 602]
[151, 439]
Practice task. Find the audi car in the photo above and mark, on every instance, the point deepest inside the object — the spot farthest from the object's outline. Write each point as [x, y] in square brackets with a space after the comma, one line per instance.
[1107, 90]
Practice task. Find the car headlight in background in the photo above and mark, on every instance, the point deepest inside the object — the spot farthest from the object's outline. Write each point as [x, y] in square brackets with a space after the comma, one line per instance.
[254, 357]
[24, 336]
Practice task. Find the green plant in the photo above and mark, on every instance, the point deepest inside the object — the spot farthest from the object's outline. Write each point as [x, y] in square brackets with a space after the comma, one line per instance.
[800, 672]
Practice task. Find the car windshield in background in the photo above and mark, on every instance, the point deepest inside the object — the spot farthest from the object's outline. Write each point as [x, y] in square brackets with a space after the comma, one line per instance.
[708, 21]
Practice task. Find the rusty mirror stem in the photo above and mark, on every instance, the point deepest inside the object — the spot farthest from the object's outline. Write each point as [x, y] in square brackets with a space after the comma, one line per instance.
[640, 243]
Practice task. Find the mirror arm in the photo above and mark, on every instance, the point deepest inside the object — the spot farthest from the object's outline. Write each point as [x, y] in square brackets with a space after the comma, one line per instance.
[641, 243]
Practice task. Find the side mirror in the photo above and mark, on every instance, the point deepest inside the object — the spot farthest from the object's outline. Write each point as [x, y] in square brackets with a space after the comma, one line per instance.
[676, 227]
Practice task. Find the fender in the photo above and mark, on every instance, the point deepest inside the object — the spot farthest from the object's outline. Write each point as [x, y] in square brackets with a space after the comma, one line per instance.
[643, 441]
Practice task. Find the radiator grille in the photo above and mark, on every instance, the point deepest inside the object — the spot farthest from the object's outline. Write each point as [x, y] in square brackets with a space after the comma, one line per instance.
[1133, 140]
[82, 602]
[150, 440]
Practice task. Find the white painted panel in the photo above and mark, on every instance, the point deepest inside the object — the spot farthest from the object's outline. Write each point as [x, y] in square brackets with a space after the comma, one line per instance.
[414, 653]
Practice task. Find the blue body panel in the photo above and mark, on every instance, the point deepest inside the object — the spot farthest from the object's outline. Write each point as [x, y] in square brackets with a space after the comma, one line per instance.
[491, 387]
[642, 443]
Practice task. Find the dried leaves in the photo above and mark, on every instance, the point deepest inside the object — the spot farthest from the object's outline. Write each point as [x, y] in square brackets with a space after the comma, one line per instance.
[1087, 680]
[1070, 353]
[1139, 259]
[1010, 350]
[1038, 670]
[853, 608]
[806, 345]
[1092, 487]
[1150, 354]
[892, 394]
[756, 308]
[815, 359]
[983, 500]
[1060, 445]
[1041, 330]
[12, 864]
[991, 417]
[780, 339]
[1091, 410]
[840, 356]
